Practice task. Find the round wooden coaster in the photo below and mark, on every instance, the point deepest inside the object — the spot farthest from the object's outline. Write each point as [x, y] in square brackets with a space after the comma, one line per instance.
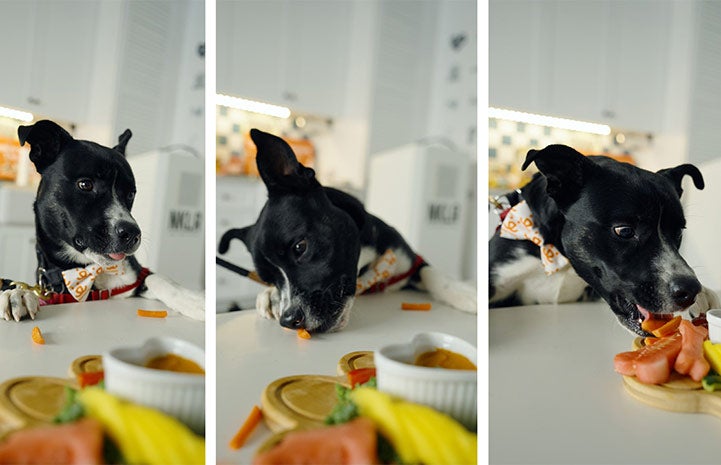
[86, 364]
[304, 401]
[30, 401]
[354, 360]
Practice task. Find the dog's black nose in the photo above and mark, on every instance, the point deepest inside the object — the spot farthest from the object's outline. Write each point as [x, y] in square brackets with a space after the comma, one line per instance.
[292, 318]
[684, 290]
[128, 232]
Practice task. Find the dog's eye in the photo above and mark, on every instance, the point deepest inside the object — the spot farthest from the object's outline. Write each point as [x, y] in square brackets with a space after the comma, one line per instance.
[300, 247]
[624, 232]
[85, 184]
[131, 196]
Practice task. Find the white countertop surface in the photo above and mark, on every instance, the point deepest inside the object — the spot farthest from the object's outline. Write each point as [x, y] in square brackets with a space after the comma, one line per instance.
[252, 352]
[77, 329]
[554, 397]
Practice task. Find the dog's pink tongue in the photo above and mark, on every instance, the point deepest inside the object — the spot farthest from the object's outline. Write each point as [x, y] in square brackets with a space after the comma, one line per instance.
[116, 256]
[646, 314]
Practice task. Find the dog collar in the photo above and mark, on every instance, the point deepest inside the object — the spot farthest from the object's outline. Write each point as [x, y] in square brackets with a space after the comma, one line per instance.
[380, 274]
[518, 225]
[97, 294]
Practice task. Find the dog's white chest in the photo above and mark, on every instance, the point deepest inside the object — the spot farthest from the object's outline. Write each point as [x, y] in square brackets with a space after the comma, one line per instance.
[527, 278]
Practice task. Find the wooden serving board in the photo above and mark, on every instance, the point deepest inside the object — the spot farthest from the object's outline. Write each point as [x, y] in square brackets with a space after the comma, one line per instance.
[35, 400]
[304, 401]
[679, 394]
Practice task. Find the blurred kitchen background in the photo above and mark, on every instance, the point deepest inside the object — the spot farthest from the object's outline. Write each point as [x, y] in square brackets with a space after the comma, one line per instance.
[646, 74]
[379, 97]
[97, 68]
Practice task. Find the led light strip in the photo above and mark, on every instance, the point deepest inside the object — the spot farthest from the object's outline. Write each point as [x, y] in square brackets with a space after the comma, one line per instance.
[23, 116]
[252, 105]
[560, 123]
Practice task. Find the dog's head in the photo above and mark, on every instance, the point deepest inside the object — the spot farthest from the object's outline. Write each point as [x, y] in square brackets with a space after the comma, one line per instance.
[85, 194]
[621, 230]
[304, 243]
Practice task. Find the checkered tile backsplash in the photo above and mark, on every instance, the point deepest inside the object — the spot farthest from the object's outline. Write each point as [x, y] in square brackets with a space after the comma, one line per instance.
[508, 143]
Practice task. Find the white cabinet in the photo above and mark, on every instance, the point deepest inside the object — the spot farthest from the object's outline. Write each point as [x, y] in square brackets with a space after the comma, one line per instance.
[292, 52]
[600, 61]
[17, 249]
[238, 204]
[47, 49]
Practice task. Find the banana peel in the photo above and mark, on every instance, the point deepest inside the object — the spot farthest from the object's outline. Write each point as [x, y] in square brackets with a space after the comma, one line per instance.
[143, 435]
[418, 433]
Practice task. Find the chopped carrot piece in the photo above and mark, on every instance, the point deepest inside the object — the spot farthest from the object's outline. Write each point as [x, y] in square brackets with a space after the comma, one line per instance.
[153, 313]
[90, 378]
[37, 336]
[246, 429]
[303, 333]
[415, 306]
[669, 328]
[651, 340]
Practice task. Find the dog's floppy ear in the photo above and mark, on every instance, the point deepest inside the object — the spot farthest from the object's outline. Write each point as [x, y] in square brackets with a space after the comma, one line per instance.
[244, 234]
[123, 141]
[675, 175]
[278, 166]
[564, 169]
[46, 140]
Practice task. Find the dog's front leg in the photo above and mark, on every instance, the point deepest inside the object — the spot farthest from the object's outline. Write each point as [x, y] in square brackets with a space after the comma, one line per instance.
[183, 301]
[457, 294]
[268, 303]
[705, 300]
[16, 304]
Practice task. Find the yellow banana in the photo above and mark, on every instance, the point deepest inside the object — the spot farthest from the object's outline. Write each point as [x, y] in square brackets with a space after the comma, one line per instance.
[144, 435]
[418, 433]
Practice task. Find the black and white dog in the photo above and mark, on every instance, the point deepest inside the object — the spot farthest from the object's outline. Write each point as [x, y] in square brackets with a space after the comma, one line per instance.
[318, 248]
[599, 228]
[86, 236]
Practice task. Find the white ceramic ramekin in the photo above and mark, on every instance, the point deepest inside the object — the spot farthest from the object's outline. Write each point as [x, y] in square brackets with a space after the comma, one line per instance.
[453, 392]
[181, 395]
[713, 317]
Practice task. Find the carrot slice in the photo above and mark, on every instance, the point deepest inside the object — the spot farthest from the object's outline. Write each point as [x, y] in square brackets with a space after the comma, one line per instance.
[37, 336]
[415, 306]
[655, 320]
[360, 376]
[246, 429]
[303, 333]
[90, 378]
[152, 313]
[668, 328]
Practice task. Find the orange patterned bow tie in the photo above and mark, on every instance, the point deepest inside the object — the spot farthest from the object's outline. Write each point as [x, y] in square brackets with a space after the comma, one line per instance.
[518, 224]
[79, 281]
[382, 269]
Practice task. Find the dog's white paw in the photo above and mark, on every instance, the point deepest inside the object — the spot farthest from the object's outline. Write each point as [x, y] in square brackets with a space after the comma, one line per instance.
[457, 294]
[184, 301]
[16, 304]
[267, 303]
[705, 300]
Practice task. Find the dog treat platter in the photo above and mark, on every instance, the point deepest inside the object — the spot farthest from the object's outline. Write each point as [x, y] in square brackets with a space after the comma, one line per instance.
[679, 394]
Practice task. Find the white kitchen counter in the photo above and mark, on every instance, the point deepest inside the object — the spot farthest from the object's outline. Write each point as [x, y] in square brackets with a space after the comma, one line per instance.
[554, 397]
[73, 330]
[252, 352]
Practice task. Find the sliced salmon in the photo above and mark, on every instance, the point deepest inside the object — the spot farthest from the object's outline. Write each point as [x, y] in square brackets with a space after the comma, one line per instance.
[650, 364]
[690, 360]
[72, 443]
[350, 443]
